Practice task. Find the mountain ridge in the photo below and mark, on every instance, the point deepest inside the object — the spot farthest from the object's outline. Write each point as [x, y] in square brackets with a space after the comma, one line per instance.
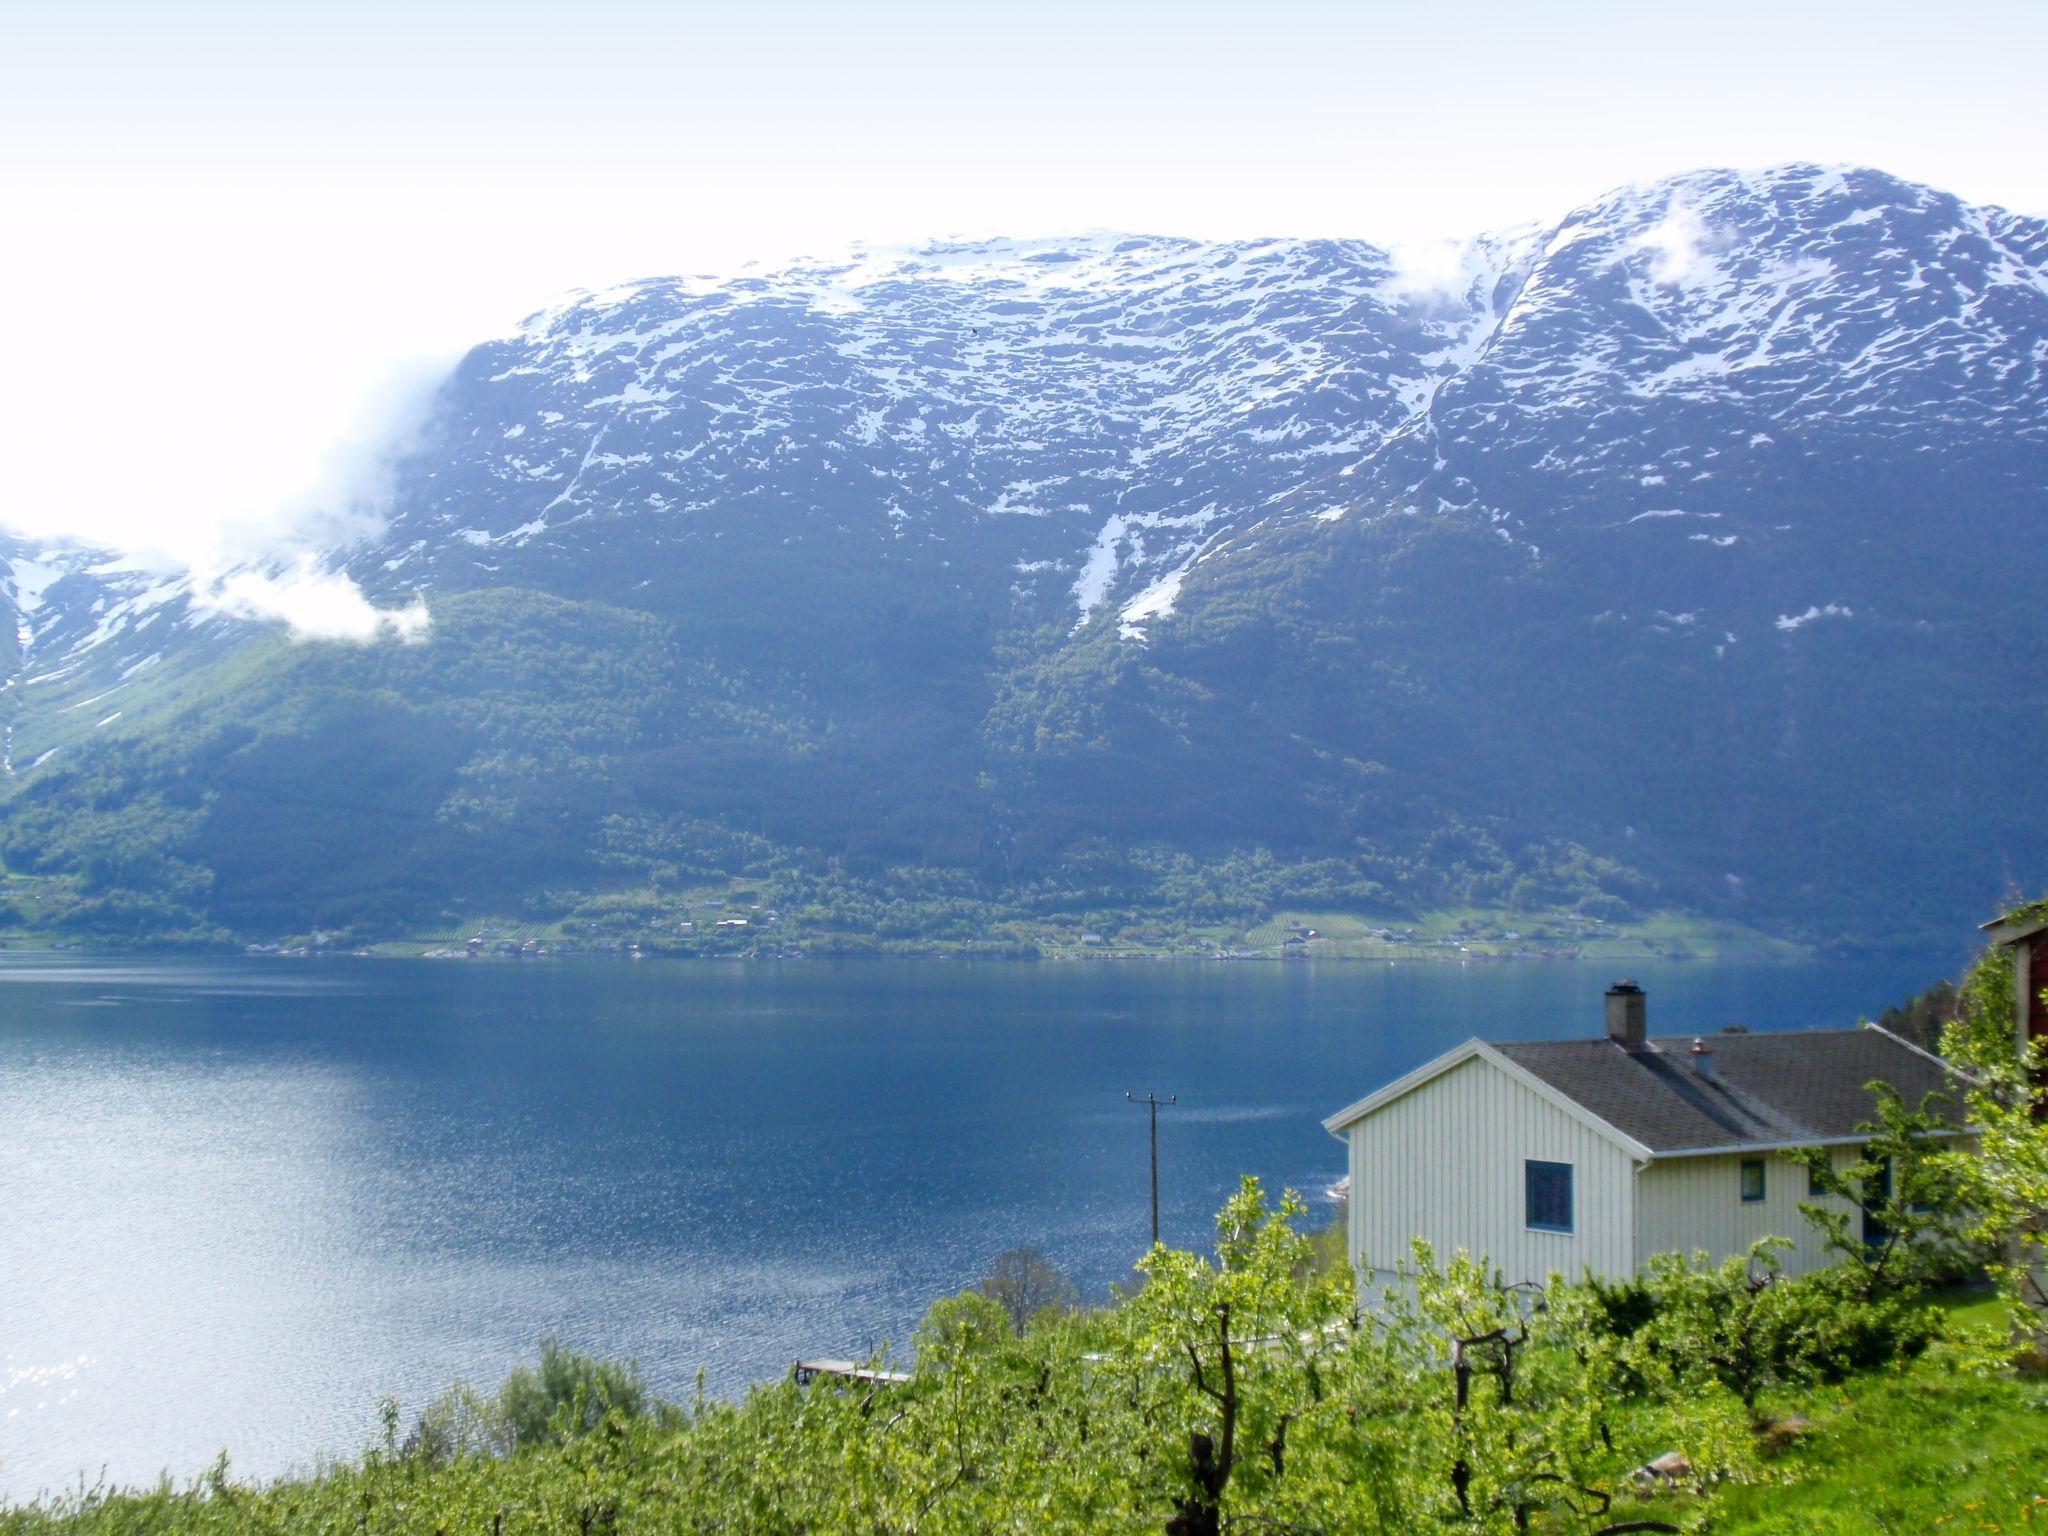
[968, 558]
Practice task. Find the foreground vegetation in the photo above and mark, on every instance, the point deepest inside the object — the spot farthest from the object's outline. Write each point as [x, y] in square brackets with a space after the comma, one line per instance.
[1919, 1450]
[1249, 1391]
[1235, 1393]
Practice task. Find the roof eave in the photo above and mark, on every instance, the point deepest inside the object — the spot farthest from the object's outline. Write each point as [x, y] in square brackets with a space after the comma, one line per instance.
[2011, 928]
[1735, 1148]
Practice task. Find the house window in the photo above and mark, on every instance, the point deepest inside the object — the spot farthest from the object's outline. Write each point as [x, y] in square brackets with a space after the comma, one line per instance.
[1548, 1191]
[1875, 1232]
[1752, 1180]
[1813, 1185]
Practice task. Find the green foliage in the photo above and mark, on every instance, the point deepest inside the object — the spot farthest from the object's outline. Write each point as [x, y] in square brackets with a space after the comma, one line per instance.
[566, 1397]
[908, 769]
[1901, 1182]
[1533, 1407]
[1327, 1244]
[1026, 1285]
[1625, 1307]
[2003, 1178]
[1839, 1328]
[1733, 1322]
[1743, 1324]
[1229, 1356]
[1922, 1017]
[1236, 1391]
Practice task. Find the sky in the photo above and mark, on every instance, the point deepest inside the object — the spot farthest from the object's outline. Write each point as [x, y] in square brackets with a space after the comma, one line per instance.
[241, 240]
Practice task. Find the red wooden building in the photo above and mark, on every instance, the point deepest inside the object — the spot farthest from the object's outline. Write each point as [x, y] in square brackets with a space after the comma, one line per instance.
[2025, 933]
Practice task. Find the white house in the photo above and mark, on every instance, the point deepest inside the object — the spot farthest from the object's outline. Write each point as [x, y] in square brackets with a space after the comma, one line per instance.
[1593, 1154]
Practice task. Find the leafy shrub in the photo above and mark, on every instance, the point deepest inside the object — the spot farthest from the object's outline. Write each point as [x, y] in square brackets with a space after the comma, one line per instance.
[566, 1397]
[1831, 1328]
[1898, 1224]
[1025, 1283]
[1743, 1322]
[957, 1328]
[457, 1424]
[1623, 1308]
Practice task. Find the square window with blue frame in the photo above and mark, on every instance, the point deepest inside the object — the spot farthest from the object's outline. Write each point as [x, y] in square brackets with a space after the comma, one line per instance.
[1752, 1180]
[1547, 1190]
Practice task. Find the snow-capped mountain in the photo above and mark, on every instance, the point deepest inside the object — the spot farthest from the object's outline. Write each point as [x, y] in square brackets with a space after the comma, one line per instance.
[1686, 547]
[61, 603]
[1670, 360]
[1105, 412]
[1093, 411]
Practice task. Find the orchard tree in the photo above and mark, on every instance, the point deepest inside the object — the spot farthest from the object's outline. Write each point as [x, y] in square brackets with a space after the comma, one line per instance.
[1026, 1284]
[1229, 1356]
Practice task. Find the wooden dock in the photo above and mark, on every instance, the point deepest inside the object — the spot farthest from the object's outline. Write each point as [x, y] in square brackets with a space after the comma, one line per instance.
[808, 1371]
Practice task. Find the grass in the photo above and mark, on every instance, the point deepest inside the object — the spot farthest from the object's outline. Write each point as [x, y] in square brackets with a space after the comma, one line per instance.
[1925, 1447]
[1984, 1312]
[1918, 1450]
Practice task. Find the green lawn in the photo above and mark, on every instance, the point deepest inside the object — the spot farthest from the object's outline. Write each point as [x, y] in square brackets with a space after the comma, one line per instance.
[1907, 1451]
[1930, 1446]
[1986, 1312]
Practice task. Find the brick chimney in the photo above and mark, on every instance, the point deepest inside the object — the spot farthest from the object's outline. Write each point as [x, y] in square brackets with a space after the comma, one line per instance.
[1625, 1015]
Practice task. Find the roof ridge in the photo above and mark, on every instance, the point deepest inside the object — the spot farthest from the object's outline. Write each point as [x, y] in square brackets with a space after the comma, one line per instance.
[1704, 1034]
[1786, 1087]
[1871, 1026]
[1753, 1034]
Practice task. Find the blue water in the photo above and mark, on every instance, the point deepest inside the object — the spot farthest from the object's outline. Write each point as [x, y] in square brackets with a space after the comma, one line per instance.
[241, 1200]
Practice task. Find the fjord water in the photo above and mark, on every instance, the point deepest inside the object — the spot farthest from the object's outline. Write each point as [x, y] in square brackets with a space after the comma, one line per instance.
[242, 1200]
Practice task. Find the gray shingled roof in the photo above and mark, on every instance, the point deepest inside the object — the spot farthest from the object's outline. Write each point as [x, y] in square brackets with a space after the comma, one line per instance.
[1792, 1087]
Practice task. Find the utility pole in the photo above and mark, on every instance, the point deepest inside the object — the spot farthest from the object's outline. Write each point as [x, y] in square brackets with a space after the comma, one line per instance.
[1152, 1102]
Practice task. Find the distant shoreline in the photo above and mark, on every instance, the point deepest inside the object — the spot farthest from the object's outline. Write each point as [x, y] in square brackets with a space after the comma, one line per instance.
[1771, 951]
[748, 924]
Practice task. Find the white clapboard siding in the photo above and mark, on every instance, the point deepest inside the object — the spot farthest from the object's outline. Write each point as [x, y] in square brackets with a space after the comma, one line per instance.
[1688, 1203]
[1444, 1162]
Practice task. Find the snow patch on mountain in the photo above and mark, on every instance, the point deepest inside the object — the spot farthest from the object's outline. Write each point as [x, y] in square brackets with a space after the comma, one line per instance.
[1790, 622]
[1066, 400]
[1155, 602]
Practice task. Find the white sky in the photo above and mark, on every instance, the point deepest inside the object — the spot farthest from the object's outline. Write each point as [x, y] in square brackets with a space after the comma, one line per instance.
[238, 232]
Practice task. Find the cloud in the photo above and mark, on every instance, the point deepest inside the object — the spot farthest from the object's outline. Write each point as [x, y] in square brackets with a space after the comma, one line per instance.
[315, 604]
[337, 493]
[1430, 269]
[274, 562]
[1678, 245]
